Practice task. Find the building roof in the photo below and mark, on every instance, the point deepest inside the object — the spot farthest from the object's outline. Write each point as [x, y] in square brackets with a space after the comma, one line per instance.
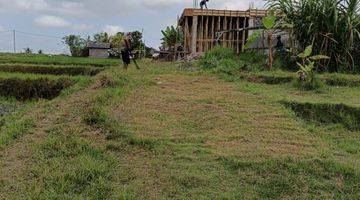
[99, 45]
[223, 13]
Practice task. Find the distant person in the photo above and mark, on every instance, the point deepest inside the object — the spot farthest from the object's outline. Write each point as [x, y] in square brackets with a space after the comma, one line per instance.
[126, 50]
[279, 45]
[203, 3]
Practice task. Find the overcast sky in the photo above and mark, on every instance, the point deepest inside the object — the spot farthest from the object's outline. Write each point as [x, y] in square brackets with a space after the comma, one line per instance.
[55, 18]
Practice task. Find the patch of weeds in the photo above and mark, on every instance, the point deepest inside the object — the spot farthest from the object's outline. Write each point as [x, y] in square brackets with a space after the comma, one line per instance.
[14, 129]
[336, 79]
[158, 116]
[188, 67]
[24, 89]
[69, 167]
[282, 178]
[96, 115]
[147, 143]
[190, 181]
[324, 113]
[113, 130]
[54, 70]
[311, 83]
[191, 126]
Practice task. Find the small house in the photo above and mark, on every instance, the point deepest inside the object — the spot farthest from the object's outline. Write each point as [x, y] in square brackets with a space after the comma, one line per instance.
[99, 50]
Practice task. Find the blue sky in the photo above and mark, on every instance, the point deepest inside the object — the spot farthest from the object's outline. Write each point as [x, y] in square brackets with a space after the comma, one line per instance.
[55, 18]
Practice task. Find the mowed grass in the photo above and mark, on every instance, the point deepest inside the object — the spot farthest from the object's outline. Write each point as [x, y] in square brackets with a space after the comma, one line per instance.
[159, 133]
[55, 60]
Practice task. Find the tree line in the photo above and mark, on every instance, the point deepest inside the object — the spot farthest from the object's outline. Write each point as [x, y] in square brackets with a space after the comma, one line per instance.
[79, 46]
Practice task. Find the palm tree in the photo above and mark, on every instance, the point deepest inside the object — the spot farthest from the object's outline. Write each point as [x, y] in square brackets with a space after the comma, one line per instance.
[102, 37]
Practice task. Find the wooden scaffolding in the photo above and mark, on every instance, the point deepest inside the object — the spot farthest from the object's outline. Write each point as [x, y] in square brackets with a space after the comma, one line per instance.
[200, 28]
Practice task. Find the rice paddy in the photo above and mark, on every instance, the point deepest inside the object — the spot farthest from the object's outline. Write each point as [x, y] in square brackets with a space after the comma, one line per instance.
[165, 133]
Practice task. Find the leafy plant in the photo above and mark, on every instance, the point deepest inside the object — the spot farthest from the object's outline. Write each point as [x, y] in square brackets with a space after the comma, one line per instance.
[102, 37]
[172, 37]
[77, 45]
[270, 24]
[331, 26]
[307, 73]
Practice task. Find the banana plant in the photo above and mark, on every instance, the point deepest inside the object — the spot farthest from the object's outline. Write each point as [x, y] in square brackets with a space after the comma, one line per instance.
[172, 37]
[270, 24]
[308, 64]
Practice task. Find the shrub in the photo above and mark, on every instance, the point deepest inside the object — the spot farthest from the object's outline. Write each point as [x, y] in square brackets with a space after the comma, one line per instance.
[312, 82]
[213, 58]
[23, 89]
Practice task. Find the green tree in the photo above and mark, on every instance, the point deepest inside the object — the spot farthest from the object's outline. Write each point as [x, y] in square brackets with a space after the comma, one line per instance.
[77, 45]
[116, 40]
[102, 37]
[172, 37]
[271, 24]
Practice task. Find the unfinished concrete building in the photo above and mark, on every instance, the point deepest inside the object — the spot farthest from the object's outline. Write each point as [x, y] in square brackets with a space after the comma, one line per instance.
[200, 28]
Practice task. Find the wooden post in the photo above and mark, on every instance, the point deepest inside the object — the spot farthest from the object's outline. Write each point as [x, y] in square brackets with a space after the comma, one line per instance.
[206, 33]
[225, 29]
[212, 32]
[243, 36]
[219, 27]
[201, 31]
[186, 34]
[194, 34]
[237, 34]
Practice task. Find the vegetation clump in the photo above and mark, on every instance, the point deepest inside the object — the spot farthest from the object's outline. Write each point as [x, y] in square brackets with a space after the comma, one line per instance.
[324, 113]
[54, 70]
[24, 89]
[308, 78]
[332, 26]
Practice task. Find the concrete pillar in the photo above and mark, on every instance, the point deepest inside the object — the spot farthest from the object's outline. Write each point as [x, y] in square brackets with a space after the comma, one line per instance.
[194, 34]
[251, 24]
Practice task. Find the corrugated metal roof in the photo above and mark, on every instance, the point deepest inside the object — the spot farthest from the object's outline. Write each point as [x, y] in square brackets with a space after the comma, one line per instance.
[99, 45]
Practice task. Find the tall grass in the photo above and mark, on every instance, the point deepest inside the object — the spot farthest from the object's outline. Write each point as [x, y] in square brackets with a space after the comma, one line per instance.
[331, 25]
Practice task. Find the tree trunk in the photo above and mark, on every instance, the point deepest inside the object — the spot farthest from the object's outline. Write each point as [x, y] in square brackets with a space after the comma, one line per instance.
[270, 58]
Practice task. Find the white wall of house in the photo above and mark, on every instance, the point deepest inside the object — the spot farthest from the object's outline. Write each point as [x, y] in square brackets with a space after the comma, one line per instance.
[98, 53]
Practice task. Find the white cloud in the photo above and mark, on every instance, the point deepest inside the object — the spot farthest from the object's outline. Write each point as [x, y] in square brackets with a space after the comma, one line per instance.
[52, 21]
[82, 27]
[112, 30]
[68, 8]
[31, 4]
[159, 4]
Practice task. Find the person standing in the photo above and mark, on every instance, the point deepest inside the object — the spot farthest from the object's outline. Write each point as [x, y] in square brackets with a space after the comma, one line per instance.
[203, 3]
[126, 50]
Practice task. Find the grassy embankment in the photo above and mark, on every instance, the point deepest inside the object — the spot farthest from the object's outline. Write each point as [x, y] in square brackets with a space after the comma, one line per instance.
[161, 133]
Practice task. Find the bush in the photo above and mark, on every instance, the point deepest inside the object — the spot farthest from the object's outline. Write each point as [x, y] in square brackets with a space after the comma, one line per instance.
[213, 58]
[323, 113]
[23, 89]
[310, 83]
[54, 70]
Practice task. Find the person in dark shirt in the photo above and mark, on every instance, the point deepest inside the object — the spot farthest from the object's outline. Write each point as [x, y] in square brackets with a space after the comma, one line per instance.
[280, 45]
[203, 3]
[126, 50]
